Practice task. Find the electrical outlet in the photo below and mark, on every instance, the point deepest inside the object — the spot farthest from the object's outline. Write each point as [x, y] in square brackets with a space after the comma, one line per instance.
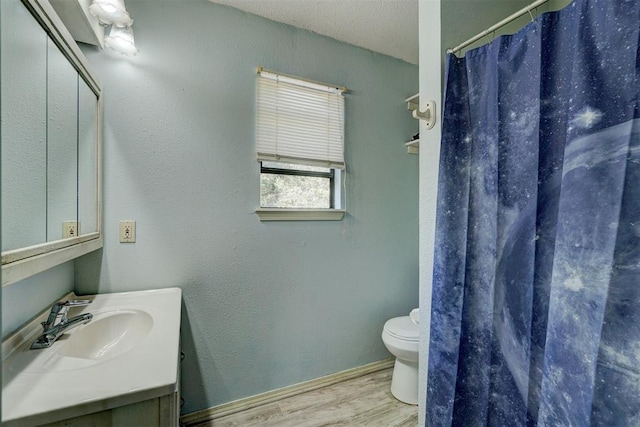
[70, 229]
[127, 231]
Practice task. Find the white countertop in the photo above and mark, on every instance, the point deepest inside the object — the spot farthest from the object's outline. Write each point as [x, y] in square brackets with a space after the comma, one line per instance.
[48, 385]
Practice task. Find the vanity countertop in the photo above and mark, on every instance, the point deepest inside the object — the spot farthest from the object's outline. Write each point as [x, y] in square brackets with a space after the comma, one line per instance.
[129, 352]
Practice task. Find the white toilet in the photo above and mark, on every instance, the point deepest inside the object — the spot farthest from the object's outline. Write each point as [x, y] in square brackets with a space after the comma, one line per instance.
[401, 337]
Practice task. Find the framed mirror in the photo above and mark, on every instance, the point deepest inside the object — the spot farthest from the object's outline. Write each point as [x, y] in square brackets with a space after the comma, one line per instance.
[51, 143]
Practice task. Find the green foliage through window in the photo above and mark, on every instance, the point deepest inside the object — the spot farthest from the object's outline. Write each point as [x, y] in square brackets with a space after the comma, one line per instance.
[296, 186]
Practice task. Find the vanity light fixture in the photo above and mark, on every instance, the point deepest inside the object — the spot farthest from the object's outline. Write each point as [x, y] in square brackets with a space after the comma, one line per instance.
[120, 39]
[111, 12]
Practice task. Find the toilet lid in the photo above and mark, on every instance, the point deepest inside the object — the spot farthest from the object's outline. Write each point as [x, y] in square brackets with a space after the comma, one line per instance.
[403, 328]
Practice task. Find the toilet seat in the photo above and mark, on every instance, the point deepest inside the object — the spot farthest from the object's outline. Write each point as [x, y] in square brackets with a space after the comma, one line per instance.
[402, 328]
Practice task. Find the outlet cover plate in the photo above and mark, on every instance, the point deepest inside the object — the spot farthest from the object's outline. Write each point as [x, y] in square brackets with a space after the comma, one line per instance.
[127, 231]
[70, 229]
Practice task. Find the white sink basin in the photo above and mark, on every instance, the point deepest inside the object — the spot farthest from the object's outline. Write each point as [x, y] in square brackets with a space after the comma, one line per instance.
[128, 352]
[107, 335]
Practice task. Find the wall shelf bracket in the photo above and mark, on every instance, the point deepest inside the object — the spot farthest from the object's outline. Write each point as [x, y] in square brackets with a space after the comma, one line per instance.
[428, 115]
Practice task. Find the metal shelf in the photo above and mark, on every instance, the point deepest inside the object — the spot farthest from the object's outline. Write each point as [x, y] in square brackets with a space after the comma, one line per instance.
[413, 147]
[413, 103]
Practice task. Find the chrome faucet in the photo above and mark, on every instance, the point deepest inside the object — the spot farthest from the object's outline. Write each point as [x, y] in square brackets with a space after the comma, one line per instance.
[57, 323]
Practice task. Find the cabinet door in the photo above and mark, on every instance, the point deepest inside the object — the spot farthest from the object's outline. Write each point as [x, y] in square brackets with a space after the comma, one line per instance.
[62, 142]
[23, 72]
[88, 167]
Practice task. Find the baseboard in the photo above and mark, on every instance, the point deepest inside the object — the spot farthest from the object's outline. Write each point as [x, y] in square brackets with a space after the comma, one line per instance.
[236, 406]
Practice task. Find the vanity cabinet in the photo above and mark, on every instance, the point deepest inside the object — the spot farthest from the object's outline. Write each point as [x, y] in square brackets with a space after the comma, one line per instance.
[162, 412]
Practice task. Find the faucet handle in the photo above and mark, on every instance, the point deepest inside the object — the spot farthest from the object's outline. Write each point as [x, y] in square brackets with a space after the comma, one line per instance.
[64, 306]
[59, 310]
[75, 302]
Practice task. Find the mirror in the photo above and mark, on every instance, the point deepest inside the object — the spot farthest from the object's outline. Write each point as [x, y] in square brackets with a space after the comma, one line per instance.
[51, 143]
[24, 128]
[62, 144]
[88, 167]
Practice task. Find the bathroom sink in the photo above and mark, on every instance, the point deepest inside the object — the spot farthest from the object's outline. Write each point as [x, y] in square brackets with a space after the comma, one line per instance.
[108, 335]
[128, 353]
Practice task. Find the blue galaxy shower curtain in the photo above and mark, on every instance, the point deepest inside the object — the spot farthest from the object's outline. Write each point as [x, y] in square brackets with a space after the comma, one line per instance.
[536, 294]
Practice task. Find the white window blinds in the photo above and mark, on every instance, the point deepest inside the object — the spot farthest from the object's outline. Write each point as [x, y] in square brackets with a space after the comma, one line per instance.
[299, 121]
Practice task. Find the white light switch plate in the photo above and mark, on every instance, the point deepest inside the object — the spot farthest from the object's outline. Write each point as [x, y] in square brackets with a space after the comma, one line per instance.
[127, 231]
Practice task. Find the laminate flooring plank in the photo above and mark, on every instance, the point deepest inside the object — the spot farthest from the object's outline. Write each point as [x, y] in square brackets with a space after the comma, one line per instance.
[361, 402]
[257, 416]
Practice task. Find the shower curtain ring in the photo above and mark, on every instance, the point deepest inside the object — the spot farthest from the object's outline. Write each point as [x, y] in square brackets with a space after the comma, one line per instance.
[530, 14]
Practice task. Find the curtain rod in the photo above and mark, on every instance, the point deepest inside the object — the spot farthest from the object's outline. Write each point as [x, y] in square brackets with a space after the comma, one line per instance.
[261, 70]
[505, 21]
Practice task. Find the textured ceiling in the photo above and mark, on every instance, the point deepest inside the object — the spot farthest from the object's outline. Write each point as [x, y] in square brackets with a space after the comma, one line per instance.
[385, 26]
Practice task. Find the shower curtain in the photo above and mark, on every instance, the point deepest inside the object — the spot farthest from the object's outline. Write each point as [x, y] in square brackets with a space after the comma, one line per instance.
[536, 293]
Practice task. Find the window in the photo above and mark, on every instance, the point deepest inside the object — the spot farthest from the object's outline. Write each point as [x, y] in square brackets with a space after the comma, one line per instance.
[300, 148]
[286, 185]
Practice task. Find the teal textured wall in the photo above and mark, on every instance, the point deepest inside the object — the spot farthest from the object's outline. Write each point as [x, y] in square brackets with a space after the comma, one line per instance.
[266, 305]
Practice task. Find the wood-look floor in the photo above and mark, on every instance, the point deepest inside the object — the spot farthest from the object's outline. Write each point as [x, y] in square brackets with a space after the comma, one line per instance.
[364, 401]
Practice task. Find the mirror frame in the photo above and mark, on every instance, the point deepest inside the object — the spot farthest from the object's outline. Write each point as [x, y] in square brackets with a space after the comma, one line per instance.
[19, 264]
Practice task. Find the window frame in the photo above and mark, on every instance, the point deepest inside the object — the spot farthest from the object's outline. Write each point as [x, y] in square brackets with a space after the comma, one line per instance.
[307, 214]
[331, 175]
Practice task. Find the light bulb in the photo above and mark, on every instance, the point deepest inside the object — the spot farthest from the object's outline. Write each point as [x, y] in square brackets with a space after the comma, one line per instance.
[111, 12]
[121, 40]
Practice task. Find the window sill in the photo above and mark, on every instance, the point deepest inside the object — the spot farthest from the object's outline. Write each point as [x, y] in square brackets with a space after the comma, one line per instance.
[283, 214]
